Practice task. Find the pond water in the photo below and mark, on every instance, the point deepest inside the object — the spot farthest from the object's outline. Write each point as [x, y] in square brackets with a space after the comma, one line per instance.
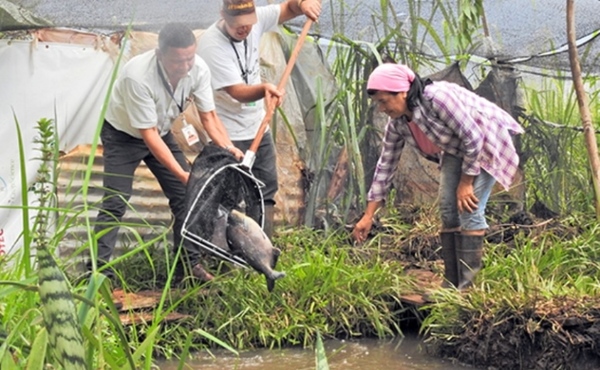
[366, 354]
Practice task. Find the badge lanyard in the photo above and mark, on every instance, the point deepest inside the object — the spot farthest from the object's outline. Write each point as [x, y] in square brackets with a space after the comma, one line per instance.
[168, 87]
[189, 132]
[245, 73]
[242, 69]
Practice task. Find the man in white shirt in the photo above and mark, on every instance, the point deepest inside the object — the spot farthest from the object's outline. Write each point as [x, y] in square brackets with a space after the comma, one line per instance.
[230, 47]
[150, 92]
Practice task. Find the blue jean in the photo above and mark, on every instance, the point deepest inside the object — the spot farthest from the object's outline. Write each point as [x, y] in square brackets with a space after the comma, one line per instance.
[483, 184]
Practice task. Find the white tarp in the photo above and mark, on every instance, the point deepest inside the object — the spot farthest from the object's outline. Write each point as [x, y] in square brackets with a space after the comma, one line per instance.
[65, 82]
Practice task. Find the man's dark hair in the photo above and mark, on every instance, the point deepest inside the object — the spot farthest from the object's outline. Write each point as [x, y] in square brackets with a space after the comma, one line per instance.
[175, 35]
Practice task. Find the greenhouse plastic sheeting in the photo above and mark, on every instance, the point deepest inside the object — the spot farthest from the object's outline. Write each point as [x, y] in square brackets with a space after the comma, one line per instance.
[519, 30]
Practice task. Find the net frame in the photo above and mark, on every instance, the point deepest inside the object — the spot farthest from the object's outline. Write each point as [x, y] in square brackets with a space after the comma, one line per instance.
[217, 180]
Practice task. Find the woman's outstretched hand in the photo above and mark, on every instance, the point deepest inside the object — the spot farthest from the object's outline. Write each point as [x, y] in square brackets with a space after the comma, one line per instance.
[362, 228]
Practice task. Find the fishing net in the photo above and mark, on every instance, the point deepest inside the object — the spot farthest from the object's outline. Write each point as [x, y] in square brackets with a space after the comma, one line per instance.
[217, 185]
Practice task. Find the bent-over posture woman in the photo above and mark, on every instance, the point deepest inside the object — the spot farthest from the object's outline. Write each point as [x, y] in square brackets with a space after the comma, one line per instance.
[471, 137]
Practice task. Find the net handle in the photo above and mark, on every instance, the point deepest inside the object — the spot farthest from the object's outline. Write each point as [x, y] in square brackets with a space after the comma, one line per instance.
[286, 74]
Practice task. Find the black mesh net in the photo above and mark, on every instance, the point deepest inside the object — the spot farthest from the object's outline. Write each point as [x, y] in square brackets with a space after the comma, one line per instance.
[535, 35]
[217, 179]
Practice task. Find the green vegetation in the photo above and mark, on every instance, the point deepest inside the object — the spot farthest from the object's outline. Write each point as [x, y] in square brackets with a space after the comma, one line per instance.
[534, 301]
[554, 145]
[331, 287]
[59, 332]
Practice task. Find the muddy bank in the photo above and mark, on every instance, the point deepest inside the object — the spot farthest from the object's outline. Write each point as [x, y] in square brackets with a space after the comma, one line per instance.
[546, 330]
[557, 334]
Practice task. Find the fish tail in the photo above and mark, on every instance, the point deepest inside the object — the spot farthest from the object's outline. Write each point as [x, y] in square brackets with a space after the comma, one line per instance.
[270, 284]
[275, 275]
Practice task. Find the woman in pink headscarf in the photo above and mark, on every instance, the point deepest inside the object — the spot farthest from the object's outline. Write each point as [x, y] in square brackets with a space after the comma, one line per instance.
[472, 139]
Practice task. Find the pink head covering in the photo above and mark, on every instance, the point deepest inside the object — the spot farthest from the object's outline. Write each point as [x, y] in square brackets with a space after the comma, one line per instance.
[391, 77]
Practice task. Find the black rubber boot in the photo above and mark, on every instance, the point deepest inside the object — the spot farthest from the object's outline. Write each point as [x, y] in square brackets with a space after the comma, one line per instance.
[269, 215]
[469, 251]
[448, 241]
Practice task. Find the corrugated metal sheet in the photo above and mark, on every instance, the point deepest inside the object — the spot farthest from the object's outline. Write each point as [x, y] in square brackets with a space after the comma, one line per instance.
[149, 214]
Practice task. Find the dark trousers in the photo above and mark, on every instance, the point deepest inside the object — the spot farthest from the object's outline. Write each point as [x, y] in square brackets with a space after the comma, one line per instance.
[265, 165]
[122, 155]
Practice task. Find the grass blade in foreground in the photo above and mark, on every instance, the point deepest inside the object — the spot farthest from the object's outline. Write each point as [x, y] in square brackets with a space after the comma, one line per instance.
[321, 357]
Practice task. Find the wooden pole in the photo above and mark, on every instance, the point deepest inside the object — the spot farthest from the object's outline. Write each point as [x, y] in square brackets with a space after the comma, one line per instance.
[269, 103]
[582, 101]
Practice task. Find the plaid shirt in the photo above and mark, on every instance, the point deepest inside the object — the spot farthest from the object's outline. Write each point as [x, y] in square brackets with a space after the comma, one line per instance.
[460, 123]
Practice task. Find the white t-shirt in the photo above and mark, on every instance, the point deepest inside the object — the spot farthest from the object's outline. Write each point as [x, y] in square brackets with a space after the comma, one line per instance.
[240, 119]
[140, 99]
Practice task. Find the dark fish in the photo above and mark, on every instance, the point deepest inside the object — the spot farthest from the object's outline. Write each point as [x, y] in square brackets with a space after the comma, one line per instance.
[219, 235]
[247, 239]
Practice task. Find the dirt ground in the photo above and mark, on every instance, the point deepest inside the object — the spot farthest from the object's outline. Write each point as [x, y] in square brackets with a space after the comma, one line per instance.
[549, 335]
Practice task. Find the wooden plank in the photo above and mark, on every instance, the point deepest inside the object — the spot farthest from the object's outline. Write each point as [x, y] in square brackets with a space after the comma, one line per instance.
[426, 278]
[128, 301]
[131, 318]
[130, 304]
[426, 281]
[134, 301]
[413, 299]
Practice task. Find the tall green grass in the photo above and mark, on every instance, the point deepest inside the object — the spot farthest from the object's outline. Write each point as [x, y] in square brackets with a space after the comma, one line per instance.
[522, 301]
[331, 288]
[556, 162]
[537, 270]
[31, 328]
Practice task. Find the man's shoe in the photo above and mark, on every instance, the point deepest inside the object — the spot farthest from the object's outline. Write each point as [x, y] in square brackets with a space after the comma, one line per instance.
[200, 273]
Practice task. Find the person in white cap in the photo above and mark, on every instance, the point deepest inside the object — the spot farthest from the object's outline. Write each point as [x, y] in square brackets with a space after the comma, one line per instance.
[230, 47]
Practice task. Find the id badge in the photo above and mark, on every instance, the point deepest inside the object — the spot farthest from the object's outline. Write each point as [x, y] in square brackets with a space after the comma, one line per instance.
[250, 105]
[190, 133]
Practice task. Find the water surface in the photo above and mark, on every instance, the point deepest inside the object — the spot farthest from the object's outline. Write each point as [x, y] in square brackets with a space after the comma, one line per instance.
[365, 354]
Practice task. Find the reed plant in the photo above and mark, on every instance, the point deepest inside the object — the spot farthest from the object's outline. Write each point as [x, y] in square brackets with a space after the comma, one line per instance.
[557, 167]
[346, 139]
[60, 331]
